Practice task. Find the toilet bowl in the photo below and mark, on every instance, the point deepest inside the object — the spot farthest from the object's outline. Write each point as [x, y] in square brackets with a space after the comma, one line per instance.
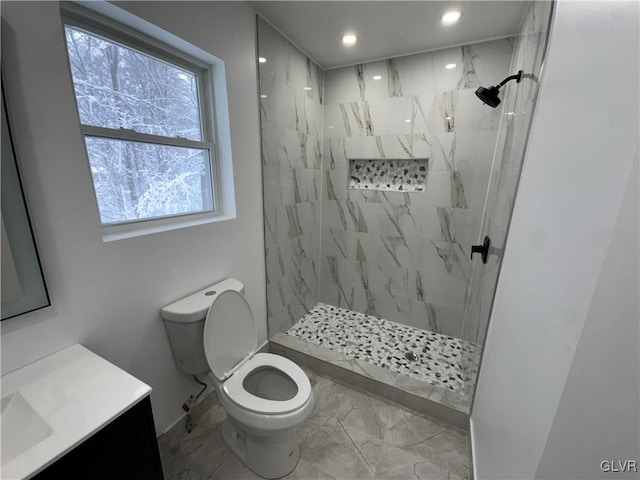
[269, 392]
[265, 395]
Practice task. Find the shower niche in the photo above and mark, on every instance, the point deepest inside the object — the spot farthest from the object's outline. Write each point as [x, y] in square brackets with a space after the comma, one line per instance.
[395, 175]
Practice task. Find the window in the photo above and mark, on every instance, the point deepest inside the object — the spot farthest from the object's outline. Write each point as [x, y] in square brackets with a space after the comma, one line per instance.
[146, 115]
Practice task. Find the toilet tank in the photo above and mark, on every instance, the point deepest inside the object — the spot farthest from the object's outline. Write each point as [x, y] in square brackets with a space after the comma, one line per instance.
[184, 320]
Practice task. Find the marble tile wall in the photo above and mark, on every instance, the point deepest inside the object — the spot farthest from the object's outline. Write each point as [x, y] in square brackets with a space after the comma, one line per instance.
[404, 256]
[291, 88]
[519, 103]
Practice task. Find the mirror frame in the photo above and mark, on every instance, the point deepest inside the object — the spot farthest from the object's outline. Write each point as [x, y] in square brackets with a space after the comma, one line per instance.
[17, 226]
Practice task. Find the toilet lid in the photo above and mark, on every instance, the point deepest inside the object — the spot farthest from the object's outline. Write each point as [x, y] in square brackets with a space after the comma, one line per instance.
[229, 333]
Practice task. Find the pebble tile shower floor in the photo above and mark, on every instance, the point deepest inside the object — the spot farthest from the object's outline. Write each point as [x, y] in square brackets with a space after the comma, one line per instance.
[420, 354]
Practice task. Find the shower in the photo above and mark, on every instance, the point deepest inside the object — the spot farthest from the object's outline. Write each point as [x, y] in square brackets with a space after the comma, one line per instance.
[490, 95]
[375, 180]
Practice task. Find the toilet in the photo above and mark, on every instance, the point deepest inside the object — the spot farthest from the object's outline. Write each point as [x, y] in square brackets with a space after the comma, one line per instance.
[265, 395]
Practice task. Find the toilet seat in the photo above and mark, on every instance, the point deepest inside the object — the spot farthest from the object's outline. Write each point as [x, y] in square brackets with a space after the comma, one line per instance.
[235, 391]
[230, 338]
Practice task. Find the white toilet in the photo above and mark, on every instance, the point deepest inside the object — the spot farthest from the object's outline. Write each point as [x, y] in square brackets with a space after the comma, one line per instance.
[266, 396]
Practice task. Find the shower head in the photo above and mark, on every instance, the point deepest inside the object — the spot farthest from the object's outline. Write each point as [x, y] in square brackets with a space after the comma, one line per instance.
[490, 95]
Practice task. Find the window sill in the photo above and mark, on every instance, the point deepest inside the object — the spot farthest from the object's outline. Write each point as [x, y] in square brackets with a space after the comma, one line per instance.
[112, 233]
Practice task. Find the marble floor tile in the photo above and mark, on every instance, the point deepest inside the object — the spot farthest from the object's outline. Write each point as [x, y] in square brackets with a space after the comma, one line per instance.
[438, 457]
[350, 435]
[325, 445]
[369, 446]
[232, 468]
[405, 429]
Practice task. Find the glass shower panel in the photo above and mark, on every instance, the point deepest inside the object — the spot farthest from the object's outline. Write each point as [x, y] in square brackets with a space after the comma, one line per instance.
[291, 123]
[517, 114]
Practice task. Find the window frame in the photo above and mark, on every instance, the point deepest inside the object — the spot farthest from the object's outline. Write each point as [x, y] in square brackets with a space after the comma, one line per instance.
[95, 23]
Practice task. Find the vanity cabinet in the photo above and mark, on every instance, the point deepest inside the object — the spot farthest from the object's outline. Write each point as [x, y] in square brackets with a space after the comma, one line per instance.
[125, 449]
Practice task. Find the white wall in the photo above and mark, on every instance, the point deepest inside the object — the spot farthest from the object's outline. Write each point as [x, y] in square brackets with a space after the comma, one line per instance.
[579, 160]
[601, 398]
[107, 296]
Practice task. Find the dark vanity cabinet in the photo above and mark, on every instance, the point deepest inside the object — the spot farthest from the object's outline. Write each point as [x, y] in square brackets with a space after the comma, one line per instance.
[125, 449]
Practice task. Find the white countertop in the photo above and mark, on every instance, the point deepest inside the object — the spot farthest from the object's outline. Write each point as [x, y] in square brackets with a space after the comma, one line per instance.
[76, 393]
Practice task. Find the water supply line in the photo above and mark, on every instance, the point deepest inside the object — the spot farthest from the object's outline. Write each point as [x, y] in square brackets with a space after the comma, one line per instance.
[186, 406]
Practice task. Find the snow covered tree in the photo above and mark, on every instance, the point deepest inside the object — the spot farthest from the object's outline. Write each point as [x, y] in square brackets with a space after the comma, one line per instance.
[120, 89]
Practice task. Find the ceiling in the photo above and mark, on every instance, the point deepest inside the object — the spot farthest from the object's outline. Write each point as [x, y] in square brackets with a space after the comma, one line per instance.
[386, 28]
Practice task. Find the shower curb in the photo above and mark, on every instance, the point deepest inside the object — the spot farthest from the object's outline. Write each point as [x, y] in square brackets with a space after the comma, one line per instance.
[440, 413]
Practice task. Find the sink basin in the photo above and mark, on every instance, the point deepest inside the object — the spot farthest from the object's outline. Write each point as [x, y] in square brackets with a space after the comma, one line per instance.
[21, 427]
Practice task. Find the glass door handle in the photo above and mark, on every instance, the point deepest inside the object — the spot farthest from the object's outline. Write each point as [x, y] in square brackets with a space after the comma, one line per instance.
[483, 249]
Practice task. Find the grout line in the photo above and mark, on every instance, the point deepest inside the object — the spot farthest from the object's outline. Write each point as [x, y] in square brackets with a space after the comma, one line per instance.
[354, 444]
[219, 465]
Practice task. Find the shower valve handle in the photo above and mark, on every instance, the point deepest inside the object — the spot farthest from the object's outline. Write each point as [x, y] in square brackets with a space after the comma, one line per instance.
[483, 249]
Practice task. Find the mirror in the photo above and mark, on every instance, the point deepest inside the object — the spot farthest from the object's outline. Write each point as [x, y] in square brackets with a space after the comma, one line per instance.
[23, 287]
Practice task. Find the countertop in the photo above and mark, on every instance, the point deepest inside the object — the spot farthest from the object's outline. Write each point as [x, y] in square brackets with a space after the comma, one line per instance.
[76, 393]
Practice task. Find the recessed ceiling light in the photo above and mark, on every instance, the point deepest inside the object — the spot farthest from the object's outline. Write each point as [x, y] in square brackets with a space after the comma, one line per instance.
[262, 60]
[377, 77]
[349, 39]
[408, 120]
[451, 16]
[448, 118]
[307, 88]
[511, 113]
[263, 96]
[449, 66]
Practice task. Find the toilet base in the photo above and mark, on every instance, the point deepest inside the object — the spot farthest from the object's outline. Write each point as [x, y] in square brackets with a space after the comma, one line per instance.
[272, 455]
